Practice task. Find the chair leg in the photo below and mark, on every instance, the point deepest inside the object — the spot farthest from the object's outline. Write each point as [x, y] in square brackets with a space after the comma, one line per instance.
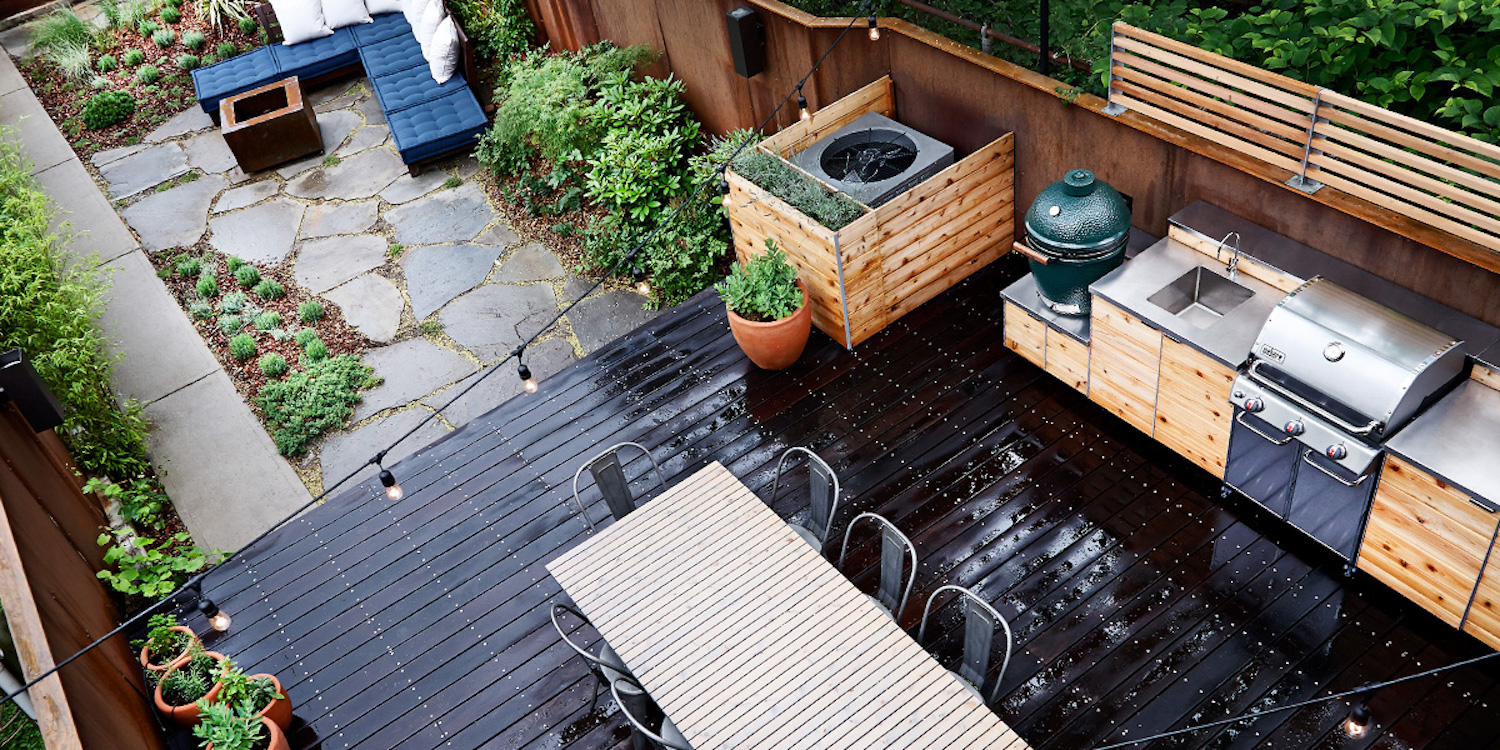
[598, 683]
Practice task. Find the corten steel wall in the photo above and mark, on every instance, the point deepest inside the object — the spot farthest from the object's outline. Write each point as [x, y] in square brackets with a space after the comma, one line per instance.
[54, 596]
[9, 8]
[959, 95]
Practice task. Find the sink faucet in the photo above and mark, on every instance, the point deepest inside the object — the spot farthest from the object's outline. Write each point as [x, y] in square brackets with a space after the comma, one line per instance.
[1234, 262]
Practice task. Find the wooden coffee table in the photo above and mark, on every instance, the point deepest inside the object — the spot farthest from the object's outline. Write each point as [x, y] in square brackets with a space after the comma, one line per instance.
[270, 125]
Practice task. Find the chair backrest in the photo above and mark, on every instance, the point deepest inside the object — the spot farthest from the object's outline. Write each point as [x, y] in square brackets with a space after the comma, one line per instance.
[895, 549]
[609, 473]
[636, 704]
[825, 490]
[980, 619]
[601, 662]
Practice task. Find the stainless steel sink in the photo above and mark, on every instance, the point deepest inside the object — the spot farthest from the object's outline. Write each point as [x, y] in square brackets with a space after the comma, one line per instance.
[1200, 297]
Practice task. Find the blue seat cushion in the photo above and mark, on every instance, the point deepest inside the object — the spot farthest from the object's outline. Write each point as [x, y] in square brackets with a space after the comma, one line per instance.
[404, 88]
[449, 122]
[316, 56]
[238, 74]
[390, 55]
[386, 25]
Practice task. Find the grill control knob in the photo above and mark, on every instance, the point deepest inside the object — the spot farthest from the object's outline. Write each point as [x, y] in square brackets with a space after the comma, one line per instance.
[1294, 427]
[1254, 405]
[1333, 352]
[1338, 452]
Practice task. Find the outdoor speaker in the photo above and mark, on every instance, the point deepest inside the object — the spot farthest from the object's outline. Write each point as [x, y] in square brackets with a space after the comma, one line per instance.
[20, 383]
[747, 40]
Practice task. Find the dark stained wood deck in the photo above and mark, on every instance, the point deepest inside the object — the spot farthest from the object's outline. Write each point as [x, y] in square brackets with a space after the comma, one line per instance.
[1141, 602]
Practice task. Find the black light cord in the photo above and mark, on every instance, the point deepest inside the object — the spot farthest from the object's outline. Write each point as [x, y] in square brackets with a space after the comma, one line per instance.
[195, 582]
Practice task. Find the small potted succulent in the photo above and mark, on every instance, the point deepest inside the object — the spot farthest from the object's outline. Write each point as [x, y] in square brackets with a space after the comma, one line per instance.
[166, 643]
[224, 728]
[254, 695]
[192, 679]
[768, 310]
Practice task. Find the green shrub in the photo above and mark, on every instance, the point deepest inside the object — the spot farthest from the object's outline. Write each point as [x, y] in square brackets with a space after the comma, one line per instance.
[204, 62]
[316, 350]
[270, 289]
[500, 29]
[170, 14]
[248, 695]
[763, 290]
[133, 57]
[208, 286]
[146, 27]
[189, 266]
[141, 501]
[164, 642]
[193, 39]
[108, 108]
[225, 50]
[175, 4]
[150, 572]
[235, 302]
[164, 38]
[268, 320]
[306, 404]
[775, 176]
[635, 173]
[106, 63]
[248, 25]
[231, 323]
[229, 729]
[129, 13]
[306, 336]
[242, 346]
[233, 263]
[147, 74]
[60, 28]
[110, 9]
[200, 310]
[188, 62]
[247, 276]
[191, 681]
[273, 365]
[75, 60]
[310, 311]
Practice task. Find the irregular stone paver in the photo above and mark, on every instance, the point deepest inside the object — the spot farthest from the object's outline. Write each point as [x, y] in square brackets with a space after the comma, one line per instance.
[544, 360]
[501, 234]
[260, 234]
[146, 169]
[410, 370]
[407, 188]
[116, 154]
[209, 153]
[189, 121]
[174, 218]
[325, 219]
[335, 127]
[455, 215]
[370, 108]
[602, 319]
[437, 274]
[575, 287]
[468, 166]
[248, 195]
[492, 320]
[531, 262]
[345, 452]
[366, 137]
[362, 175]
[337, 96]
[325, 264]
[372, 304]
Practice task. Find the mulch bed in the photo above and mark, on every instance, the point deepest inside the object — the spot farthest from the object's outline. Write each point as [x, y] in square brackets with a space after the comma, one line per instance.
[64, 97]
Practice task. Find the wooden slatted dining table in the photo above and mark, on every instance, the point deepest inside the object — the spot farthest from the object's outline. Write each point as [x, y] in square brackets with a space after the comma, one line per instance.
[748, 638]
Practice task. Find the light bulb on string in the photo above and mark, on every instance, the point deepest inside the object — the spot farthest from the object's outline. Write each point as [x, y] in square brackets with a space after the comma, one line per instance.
[641, 284]
[874, 29]
[1358, 722]
[803, 113]
[218, 619]
[724, 191]
[527, 381]
[392, 487]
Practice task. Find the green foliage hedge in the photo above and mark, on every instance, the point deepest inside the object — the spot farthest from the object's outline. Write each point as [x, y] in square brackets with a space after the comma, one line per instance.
[107, 108]
[306, 404]
[500, 29]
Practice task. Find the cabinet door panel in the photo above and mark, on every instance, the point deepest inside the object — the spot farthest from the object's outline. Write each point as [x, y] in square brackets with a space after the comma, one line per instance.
[1068, 360]
[1124, 361]
[1193, 415]
[1025, 335]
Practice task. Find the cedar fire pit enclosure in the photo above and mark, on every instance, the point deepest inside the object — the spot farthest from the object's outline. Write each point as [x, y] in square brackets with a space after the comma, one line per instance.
[898, 255]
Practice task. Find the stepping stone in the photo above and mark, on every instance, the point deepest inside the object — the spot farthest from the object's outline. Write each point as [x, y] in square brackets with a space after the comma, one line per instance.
[455, 215]
[116, 154]
[143, 170]
[493, 320]
[500, 234]
[370, 108]
[188, 121]
[210, 153]
[437, 274]
[530, 263]
[344, 452]
[362, 175]
[372, 305]
[175, 218]
[325, 219]
[366, 137]
[411, 369]
[335, 127]
[248, 195]
[467, 167]
[544, 359]
[407, 188]
[337, 95]
[325, 264]
[575, 288]
[260, 234]
[602, 319]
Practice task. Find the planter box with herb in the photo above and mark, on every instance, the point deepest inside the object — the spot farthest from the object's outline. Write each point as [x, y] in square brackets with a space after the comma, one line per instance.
[864, 268]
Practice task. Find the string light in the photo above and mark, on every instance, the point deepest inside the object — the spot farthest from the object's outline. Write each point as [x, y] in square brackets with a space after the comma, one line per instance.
[392, 487]
[641, 284]
[724, 191]
[874, 29]
[527, 381]
[803, 113]
[1358, 722]
[218, 619]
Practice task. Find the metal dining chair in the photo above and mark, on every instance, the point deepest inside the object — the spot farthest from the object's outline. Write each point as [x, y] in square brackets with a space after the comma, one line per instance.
[609, 474]
[606, 665]
[825, 497]
[980, 619]
[636, 705]
[894, 547]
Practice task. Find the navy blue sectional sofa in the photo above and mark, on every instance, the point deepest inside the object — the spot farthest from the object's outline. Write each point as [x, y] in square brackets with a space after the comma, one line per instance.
[427, 120]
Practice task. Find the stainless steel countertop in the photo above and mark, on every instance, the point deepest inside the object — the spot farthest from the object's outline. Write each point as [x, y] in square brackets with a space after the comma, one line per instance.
[1458, 440]
[1227, 339]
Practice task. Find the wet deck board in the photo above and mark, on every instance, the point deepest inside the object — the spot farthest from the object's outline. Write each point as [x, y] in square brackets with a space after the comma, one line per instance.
[1141, 602]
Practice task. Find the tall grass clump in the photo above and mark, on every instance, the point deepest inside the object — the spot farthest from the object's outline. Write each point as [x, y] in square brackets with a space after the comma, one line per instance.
[65, 40]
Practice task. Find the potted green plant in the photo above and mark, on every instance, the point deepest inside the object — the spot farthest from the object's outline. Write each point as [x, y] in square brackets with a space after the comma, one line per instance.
[254, 695]
[225, 728]
[192, 679]
[166, 643]
[768, 311]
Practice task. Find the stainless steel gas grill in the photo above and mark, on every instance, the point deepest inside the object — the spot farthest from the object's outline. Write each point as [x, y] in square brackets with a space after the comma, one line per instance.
[1329, 378]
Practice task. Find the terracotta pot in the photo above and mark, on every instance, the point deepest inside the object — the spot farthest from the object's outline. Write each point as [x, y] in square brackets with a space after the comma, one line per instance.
[186, 715]
[278, 738]
[146, 652]
[777, 344]
[280, 711]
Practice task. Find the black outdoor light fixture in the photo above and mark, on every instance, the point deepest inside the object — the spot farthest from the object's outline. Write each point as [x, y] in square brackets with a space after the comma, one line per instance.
[874, 29]
[638, 275]
[747, 40]
[387, 479]
[724, 191]
[1358, 722]
[218, 619]
[528, 383]
[803, 113]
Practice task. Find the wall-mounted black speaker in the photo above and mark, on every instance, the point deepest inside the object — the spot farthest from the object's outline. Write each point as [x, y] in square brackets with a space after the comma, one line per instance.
[747, 40]
[20, 383]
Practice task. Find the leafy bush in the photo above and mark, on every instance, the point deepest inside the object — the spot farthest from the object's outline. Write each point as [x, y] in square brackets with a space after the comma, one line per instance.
[225, 50]
[233, 263]
[200, 309]
[242, 346]
[245, 694]
[165, 643]
[48, 308]
[146, 27]
[147, 74]
[208, 286]
[306, 336]
[235, 302]
[108, 108]
[170, 14]
[231, 323]
[270, 289]
[205, 61]
[227, 728]
[191, 681]
[310, 311]
[141, 501]
[189, 266]
[129, 13]
[144, 570]
[193, 39]
[273, 365]
[306, 404]
[248, 25]
[268, 320]
[133, 57]
[775, 176]
[315, 350]
[188, 62]
[164, 38]
[500, 29]
[106, 63]
[246, 276]
[763, 290]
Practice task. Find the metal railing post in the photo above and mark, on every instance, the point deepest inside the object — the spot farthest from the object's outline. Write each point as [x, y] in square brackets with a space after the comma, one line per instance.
[1112, 108]
[1300, 181]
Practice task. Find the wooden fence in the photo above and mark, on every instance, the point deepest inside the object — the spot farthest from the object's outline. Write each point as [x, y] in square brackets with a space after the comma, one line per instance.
[1442, 178]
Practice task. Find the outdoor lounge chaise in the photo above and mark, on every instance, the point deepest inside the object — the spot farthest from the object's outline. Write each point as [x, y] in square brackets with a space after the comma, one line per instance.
[428, 120]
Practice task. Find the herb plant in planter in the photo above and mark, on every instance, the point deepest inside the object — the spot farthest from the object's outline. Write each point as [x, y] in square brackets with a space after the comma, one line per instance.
[190, 680]
[768, 311]
[257, 695]
[224, 728]
[166, 644]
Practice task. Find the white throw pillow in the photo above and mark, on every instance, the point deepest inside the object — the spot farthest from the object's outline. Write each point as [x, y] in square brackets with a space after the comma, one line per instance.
[301, 20]
[432, 15]
[341, 13]
[377, 7]
[412, 9]
[442, 57]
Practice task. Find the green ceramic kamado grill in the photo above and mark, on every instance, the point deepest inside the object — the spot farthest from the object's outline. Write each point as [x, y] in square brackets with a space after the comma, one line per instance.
[1076, 231]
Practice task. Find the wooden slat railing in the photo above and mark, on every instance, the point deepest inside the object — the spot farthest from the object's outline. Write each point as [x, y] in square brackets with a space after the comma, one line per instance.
[1445, 179]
